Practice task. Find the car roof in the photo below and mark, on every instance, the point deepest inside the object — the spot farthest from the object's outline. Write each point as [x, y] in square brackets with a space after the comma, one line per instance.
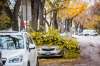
[12, 33]
[89, 31]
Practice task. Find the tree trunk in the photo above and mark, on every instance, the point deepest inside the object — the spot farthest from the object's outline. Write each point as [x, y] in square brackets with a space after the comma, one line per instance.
[5, 10]
[69, 24]
[55, 19]
[2, 5]
[15, 25]
[35, 13]
[65, 25]
[81, 28]
[41, 11]
[76, 27]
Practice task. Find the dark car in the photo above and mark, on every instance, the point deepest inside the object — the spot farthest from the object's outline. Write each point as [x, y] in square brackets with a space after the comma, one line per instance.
[1, 64]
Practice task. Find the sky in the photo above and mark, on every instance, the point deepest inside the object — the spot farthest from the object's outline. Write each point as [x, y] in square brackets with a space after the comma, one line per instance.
[12, 3]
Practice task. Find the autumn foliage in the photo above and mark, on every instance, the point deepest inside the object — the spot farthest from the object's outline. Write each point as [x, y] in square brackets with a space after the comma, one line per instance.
[72, 10]
[5, 22]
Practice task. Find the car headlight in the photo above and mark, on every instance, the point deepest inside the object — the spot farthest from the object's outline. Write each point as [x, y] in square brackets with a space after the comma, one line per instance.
[17, 59]
[57, 48]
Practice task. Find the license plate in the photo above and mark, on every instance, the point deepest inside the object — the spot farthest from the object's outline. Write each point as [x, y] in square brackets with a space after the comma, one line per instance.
[47, 53]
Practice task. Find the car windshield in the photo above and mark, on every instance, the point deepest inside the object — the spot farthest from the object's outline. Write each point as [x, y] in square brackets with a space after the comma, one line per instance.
[11, 42]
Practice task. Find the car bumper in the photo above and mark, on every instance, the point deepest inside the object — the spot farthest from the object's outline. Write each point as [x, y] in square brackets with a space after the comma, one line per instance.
[51, 55]
[16, 64]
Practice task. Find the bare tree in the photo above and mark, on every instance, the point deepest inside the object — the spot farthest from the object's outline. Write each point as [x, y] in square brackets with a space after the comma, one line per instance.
[37, 14]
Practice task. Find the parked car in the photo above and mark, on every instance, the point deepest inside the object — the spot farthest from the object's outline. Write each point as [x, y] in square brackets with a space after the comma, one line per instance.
[88, 32]
[50, 51]
[18, 49]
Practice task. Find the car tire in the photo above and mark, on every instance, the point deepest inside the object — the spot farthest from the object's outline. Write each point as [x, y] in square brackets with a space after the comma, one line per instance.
[28, 64]
[37, 64]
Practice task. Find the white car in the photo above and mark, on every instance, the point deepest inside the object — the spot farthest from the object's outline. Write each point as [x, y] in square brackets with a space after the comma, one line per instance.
[85, 33]
[1, 64]
[88, 32]
[50, 51]
[18, 49]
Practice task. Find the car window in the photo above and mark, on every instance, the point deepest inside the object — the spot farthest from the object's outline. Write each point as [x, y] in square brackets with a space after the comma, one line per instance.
[29, 41]
[11, 42]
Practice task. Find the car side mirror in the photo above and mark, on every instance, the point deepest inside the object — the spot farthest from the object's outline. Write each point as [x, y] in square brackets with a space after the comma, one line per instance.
[31, 46]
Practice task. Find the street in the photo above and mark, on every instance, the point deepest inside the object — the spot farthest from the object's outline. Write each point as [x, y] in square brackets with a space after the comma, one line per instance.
[89, 50]
[40, 28]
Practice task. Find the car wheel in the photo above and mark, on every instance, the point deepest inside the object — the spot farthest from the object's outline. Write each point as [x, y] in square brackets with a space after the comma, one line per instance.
[28, 64]
[37, 62]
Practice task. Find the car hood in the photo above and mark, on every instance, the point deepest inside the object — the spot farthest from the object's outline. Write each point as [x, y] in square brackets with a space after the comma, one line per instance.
[47, 47]
[12, 53]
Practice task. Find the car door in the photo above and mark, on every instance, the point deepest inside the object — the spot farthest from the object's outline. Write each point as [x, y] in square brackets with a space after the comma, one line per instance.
[1, 64]
[32, 52]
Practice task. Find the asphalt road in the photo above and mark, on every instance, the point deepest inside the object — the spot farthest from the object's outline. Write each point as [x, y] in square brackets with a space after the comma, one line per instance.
[90, 54]
[90, 49]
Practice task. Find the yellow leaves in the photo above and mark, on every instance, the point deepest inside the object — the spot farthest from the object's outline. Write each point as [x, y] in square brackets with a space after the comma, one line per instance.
[66, 8]
[92, 22]
[72, 10]
[63, 10]
[5, 22]
[62, 13]
[97, 18]
[90, 25]
[47, 6]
